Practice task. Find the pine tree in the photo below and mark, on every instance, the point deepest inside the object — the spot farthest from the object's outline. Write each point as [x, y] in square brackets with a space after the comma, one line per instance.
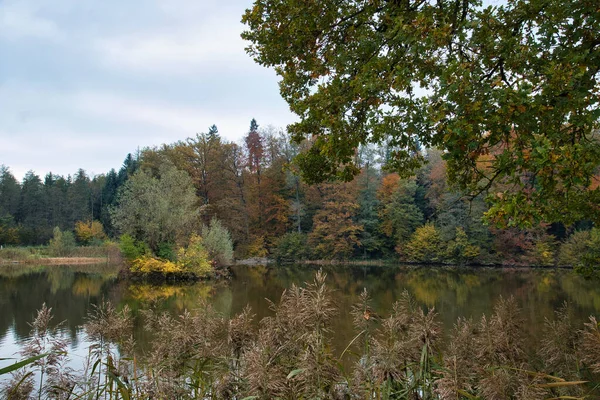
[398, 213]
[9, 193]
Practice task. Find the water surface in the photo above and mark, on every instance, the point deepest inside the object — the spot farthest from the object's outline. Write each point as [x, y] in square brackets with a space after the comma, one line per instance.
[454, 292]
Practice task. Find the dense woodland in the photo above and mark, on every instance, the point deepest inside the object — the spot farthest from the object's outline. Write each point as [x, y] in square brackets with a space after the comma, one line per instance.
[255, 190]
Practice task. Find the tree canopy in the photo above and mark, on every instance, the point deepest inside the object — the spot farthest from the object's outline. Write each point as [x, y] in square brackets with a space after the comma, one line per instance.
[157, 210]
[509, 92]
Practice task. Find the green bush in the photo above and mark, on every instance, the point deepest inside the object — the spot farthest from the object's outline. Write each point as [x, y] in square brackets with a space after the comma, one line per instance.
[292, 247]
[132, 249]
[573, 248]
[15, 253]
[62, 243]
[589, 264]
[460, 250]
[166, 251]
[217, 241]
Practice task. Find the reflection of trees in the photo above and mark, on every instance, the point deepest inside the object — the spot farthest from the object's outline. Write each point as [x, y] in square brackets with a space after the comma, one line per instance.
[453, 292]
[175, 298]
[24, 288]
[582, 292]
[60, 279]
[87, 286]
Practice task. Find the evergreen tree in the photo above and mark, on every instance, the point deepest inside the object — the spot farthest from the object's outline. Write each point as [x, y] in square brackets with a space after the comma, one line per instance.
[213, 133]
[80, 198]
[109, 199]
[32, 210]
[370, 237]
[456, 211]
[399, 214]
[9, 193]
[130, 166]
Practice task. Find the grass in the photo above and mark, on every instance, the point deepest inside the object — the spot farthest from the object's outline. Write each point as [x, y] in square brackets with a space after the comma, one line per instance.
[202, 355]
[34, 254]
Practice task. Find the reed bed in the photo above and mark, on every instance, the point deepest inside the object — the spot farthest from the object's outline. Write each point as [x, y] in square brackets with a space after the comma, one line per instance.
[78, 254]
[202, 355]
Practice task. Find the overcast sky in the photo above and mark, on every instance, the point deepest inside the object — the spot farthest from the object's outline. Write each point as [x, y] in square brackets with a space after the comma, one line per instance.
[84, 82]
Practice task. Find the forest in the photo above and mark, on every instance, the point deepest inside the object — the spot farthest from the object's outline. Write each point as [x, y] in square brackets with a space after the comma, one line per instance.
[254, 190]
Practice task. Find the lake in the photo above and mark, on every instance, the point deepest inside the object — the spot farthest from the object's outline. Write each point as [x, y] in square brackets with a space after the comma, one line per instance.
[454, 292]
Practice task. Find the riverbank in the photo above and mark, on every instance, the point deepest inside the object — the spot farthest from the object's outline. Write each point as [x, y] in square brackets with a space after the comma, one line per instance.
[252, 262]
[59, 261]
[76, 255]
[390, 263]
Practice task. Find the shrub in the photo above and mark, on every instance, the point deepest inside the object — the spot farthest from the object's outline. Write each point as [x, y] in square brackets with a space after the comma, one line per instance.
[89, 232]
[291, 247]
[543, 253]
[9, 235]
[152, 265]
[166, 251]
[15, 253]
[590, 259]
[131, 248]
[460, 250]
[62, 243]
[257, 247]
[195, 258]
[217, 241]
[573, 248]
[425, 245]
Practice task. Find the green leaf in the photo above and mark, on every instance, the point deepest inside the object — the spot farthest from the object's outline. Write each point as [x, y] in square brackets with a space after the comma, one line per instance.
[21, 364]
[295, 372]
[123, 389]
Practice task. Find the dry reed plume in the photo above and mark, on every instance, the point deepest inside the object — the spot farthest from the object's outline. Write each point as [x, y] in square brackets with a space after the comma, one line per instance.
[288, 355]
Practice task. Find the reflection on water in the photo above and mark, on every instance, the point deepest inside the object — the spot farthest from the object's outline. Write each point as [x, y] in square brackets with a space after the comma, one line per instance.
[71, 291]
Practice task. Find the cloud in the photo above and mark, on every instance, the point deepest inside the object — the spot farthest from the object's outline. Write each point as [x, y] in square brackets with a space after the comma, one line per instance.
[82, 82]
[212, 44]
[20, 20]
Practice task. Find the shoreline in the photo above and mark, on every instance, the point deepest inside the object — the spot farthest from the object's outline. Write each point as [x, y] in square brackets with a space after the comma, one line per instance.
[253, 262]
[58, 261]
[388, 263]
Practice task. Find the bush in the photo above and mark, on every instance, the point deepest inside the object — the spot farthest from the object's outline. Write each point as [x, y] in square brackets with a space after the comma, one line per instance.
[62, 243]
[132, 249]
[151, 265]
[291, 247]
[90, 232]
[425, 245]
[573, 248]
[590, 260]
[166, 251]
[9, 235]
[195, 258]
[15, 253]
[543, 253]
[460, 250]
[217, 241]
[257, 247]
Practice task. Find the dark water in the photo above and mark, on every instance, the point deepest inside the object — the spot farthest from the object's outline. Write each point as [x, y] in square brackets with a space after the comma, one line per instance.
[71, 291]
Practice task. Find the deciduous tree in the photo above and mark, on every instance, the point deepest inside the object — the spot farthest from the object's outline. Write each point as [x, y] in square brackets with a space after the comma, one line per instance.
[159, 209]
[335, 233]
[509, 91]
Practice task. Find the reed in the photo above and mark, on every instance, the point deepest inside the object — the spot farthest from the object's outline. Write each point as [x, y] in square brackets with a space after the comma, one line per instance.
[202, 355]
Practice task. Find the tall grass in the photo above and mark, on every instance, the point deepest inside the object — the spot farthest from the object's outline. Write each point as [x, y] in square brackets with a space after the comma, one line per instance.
[108, 250]
[202, 355]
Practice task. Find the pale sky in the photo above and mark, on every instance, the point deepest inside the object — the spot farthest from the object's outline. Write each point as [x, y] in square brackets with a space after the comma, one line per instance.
[84, 82]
